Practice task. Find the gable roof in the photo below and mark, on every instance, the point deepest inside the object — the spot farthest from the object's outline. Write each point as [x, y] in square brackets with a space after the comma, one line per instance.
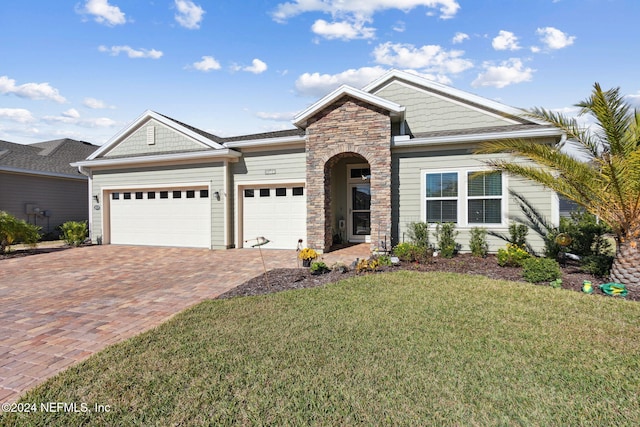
[50, 158]
[300, 120]
[450, 92]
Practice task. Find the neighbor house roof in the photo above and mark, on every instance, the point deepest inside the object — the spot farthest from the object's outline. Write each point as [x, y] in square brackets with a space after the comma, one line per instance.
[51, 158]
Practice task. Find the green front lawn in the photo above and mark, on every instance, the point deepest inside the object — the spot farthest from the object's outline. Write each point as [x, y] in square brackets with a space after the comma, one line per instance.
[385, 349]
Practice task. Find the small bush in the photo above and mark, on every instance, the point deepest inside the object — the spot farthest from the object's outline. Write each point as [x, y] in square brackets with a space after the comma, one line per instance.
[384, 260]
[367, 265]
[536, 270]
[340, 267]
[512, 256]
[418, 233]
[14, 230]
[74, 232]
[319, 267]
[406, 251]
[518, 234]
[446, 238]
[478, 242]
[598, 265]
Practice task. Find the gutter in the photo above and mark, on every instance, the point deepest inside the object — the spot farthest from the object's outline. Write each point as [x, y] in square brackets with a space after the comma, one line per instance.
[219, 154]
[403, 141]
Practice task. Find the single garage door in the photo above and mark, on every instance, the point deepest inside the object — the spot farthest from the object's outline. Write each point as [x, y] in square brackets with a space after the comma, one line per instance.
[162, 217]
[276, 213]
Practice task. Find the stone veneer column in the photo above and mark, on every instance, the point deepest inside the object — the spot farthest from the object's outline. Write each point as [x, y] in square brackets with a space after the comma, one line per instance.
[347, 126]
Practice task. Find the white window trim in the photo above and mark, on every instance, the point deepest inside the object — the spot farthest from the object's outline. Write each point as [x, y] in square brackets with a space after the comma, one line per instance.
[463, 173]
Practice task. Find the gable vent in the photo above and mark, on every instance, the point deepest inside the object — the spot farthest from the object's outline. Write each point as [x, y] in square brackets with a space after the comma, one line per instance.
[151, 135]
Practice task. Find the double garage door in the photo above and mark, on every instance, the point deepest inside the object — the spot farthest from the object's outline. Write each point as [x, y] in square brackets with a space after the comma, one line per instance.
[278, 213]
[161, 217]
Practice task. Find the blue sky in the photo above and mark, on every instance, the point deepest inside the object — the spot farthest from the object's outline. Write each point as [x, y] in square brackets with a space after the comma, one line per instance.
[84, 69]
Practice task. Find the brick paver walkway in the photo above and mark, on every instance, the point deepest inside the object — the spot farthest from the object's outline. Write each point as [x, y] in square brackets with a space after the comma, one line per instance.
[57, 309]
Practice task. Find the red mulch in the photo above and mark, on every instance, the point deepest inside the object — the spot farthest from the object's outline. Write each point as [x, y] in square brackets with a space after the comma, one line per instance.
[298, 278]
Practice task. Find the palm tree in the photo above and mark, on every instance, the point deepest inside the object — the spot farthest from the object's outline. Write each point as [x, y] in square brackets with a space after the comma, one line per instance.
[606, 185]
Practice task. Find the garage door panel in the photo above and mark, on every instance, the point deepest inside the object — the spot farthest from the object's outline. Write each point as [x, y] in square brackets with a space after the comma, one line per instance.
[280, 218]
[171, 221]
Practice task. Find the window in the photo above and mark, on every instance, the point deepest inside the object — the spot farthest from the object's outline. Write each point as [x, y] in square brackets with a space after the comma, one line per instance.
[484, 201]
[281, 192]
[360, 173]
[126, 196]
[164, 194]
[442, 197]
[138, 195]
[177, 194]
[265, 192]
[248, 193]
[298, 191]
[464, 197]
[204, 194]
[115, 196]
[191, 194]
[151, 195]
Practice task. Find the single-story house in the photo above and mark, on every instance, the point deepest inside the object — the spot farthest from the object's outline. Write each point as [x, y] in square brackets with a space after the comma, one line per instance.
[38, 185]
[360, 165]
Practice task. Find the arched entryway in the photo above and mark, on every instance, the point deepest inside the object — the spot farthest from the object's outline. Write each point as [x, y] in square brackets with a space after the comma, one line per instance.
[348, 213]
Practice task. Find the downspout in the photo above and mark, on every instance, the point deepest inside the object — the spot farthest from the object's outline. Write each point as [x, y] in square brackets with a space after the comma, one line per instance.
[89, 175]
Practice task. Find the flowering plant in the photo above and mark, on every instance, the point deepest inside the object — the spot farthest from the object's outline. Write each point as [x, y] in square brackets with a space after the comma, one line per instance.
[308, 253]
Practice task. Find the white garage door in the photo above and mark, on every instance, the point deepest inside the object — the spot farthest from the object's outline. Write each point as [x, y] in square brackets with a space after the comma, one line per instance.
[276, 213]
[175, 217]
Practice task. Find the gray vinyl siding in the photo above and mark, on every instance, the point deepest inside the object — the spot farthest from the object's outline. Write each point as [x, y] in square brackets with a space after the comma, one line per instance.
[427, 113]
[166, 141]
[64, 199]
[212, 173]
[407, 197]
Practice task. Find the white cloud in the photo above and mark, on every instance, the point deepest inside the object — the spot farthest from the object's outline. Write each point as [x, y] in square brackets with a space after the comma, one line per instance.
[131, 53]
[207, 64]
[280, 117]
[505, 40]
[72, 117]
[359, 8]
[19, 115]
[554, 38]
[30, 90]
[95, 104]
[316, 84]
[430, 58]
[103, 12]
[459, 38]
[399, 27]
[189, 14]
[634, 98]
[342, 30]
[71, 113]
[508, 72]
[257, 66]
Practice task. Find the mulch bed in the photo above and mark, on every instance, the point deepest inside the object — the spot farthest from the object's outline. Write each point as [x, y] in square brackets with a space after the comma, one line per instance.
[298, 278]
[18, 253]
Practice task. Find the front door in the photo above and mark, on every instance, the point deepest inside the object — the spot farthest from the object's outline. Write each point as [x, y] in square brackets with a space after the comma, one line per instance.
[360, 212]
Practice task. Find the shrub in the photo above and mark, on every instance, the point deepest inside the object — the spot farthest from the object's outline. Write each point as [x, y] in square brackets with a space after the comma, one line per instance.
[478, 242]
[406, 251]
[446, 238]
[598, 265]
[384, 260]
[418, 233]
[518, 234]
[74, 232]
[319, 267]
[14, 230]
[536, 270]
[338, 266]
[366, 265]
[512, 256]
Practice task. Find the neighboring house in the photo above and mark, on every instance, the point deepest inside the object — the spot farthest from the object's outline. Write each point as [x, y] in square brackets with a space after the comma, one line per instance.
[38, 184]
[360, 166]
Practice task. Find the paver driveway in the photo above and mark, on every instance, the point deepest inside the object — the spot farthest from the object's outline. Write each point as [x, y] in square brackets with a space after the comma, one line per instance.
[58, 308]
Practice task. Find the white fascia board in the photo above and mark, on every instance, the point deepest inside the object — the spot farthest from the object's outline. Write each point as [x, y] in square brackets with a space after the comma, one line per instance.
[477, 137]
[115, 140]
[266, 142]
[42, 173]
[300, 119]
[448, 90]
[221, 154]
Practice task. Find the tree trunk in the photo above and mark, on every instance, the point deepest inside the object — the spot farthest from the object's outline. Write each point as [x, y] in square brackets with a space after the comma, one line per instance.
[626, 265]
